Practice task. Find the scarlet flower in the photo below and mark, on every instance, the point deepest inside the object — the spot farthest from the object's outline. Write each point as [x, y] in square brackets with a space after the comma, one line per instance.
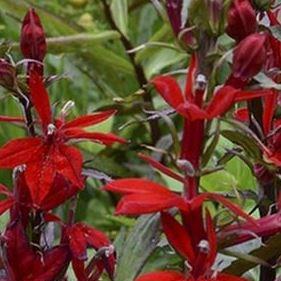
[80, 236]
[23, 263]
[47, 155]
[199, 257]
[189, 104]
[241, 20]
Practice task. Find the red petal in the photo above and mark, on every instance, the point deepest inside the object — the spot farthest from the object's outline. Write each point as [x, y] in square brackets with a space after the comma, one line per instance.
[178, 237]
[69, 164]
[190, 77]
[270, 103]
[242, 114]
[18, 152]
[77, 242]
[165, 170]
[138, 186]
[162, 276]
[248, 95]
[137, 204]
[212, 239]
[227, 277]
[106, 139]
[192, 112]
[169, 89]
[40, 175]
[79, 269]
[227, 203]
[221, 101]
[40, 99]
[89, 120]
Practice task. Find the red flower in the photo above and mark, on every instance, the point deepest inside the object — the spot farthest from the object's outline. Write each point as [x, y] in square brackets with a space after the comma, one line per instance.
[189, 103]
[33, 42]
[241, 20]
[199, 257]
[47, 155]
[142, 196]
[23, 263]
[80, 236]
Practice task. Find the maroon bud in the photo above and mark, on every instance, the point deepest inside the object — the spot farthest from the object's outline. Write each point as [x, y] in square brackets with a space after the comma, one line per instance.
[7, 74]
[174, 8]
[241, 20]
[249, 57]
[33, 42]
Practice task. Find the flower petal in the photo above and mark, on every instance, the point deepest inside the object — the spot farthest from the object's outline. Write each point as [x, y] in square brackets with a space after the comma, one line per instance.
[89, 120]
[178, 237]
[169, 89]
[40, 99]
[18, 152]
[162, 275]
[138, 204]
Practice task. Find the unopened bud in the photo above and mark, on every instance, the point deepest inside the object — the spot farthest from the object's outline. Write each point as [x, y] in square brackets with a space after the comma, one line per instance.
[241, 20]
[249, 56]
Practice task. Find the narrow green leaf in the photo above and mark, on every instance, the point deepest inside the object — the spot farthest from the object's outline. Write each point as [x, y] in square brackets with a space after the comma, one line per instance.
[139, 245]
[119, 10]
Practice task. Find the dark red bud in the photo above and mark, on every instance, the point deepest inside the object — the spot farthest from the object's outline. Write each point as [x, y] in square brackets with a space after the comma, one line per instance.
[174, 8]
[7, 74]
[33, 42]
[241, 20]
[249, 57]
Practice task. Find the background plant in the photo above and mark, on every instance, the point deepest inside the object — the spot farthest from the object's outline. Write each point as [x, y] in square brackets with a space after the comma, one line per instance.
[88, 50]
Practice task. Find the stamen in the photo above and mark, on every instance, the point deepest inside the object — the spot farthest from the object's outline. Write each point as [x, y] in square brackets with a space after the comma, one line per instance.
[51, 129]
[204, 246]
[201, 82]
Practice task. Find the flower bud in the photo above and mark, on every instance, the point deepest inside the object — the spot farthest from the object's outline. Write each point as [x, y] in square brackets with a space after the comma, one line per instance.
[33, 42]
[241, 20]
[174, 8]
[7, 74]
[249, 57]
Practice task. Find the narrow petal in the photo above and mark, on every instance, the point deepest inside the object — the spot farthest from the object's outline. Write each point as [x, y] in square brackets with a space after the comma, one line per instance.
[212, 239]
[137, 186]
[137, 204]
[192, 112]
[227, 277]
[169, 89]
[160, 167]
[242, 114]
[18, 152]
[40, 175]
[190, 77]
[69, 164]
[162, 275]
[89, 120]
[102, 138]
[40, 99]
[270, 104]
[248, 95]
[227, 203]
[222, 100]
[178, 237]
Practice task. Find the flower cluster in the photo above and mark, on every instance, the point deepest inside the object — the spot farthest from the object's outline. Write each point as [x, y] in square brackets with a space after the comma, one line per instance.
[47, 171]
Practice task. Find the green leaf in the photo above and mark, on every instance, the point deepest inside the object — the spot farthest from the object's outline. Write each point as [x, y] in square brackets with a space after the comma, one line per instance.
[219, 181]
[139, 245]
[244, 141]
[119, 10]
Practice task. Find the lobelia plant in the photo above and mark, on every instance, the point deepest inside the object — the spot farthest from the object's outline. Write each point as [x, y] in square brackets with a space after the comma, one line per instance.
[47, 171]
[229, 102]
